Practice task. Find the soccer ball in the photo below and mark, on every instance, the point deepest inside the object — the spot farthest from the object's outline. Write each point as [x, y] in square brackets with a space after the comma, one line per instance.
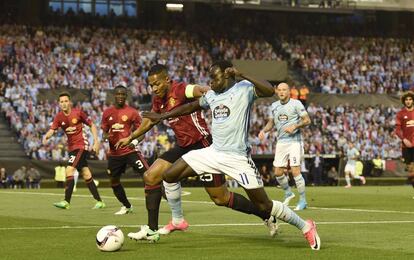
[109, 238]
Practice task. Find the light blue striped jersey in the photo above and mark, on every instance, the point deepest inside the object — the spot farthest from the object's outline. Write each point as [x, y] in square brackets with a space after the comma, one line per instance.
[352, 153]
[230, 112]
[285, 115]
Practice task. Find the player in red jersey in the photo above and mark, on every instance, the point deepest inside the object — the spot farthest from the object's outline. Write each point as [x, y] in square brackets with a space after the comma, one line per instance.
[71, 120]
[192, 133]
[405, 131]
[118, 121]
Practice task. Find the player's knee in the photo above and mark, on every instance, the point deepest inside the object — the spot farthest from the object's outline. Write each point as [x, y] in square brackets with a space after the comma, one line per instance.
[150, 178]
[219, 200]
[115, 181]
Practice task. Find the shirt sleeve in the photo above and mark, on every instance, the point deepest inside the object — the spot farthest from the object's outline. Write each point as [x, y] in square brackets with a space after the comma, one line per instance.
[250, 88]
[55, 123]
[204, 100]
[300, 109]
[136, 119]
[398, 129]
[104, 122]
[84, 118]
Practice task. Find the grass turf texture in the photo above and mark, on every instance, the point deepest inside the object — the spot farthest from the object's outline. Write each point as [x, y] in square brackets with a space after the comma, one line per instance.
[362, 222]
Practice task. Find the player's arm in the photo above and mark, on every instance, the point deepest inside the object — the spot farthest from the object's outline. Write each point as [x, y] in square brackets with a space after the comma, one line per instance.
[48, 135]
[399, 132]
[195, 91]
[262, 87]
[145, 126]
[96, 143]
[269, 126]
[178, 111]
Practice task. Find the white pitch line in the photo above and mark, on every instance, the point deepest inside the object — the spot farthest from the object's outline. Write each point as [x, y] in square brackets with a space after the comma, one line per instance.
[185, 193]
[364, 210]
[219, 225]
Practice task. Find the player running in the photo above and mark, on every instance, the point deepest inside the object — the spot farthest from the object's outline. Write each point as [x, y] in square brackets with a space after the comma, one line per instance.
[288, 116]
[118, 121]
[71, 120]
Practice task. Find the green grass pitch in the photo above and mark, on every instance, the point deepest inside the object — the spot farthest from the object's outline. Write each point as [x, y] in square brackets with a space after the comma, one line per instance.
[358, 223]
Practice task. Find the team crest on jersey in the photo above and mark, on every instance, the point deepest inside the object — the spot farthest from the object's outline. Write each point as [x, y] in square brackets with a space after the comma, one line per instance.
[124, 118]
[221, 112]
[172, 101]
[74, 120]
[282, 117]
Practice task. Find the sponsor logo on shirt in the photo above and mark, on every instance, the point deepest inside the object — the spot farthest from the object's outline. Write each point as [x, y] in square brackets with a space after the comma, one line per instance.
[70, 130]
[221, 112]
[117, 127]
[282, 117]
[410, 123]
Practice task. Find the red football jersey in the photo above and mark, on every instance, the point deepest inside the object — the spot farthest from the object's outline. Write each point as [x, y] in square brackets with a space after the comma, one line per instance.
[405, 125]
[188, 129]
[119, 123]
[72, 124]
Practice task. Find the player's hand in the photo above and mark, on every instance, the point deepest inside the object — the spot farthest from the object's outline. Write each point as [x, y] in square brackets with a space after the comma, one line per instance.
[262, 135]
[232, 72]
[44, 141]
[407, 143]
[154, 117]
[290, 129]
[95, 147]
[123, 142]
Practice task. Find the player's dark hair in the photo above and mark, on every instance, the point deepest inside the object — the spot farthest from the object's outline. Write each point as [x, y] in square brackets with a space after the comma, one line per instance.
[120, 87]
[406, 95]
[222, 64]
[157, 69]
[64, 94]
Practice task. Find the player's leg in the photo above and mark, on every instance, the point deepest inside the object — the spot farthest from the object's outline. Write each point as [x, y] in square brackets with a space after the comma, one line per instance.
[75, 178]
[152, 180]
[74, 158]
[221, 196]
[348, 173]
[87, 177]
[300, 185]
[295, 158]
[280, 163]
[116, 167]
[173, 194]
[64, 204]
[281, 211]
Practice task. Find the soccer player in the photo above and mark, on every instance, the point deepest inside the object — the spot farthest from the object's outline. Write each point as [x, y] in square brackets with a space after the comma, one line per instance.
[192, 133]
[405, 131]
[71, 120]
[230, 103]
[118, 121]
[350, 168]
[288, 116]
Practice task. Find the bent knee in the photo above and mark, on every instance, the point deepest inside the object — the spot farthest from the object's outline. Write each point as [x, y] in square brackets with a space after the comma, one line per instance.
[152, 178]
[220, 201]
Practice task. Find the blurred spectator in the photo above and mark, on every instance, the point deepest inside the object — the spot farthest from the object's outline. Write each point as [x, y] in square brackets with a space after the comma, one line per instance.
[303, 94]
[267, 175]
[294, 92]
[378, 166]
[333, 177]
[33, 178]
[317, 168]
[4, 182]
[19, 177]
[60, 175]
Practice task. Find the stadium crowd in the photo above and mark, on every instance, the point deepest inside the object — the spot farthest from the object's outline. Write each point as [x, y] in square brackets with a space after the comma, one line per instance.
[353, 65]
[96, 59]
